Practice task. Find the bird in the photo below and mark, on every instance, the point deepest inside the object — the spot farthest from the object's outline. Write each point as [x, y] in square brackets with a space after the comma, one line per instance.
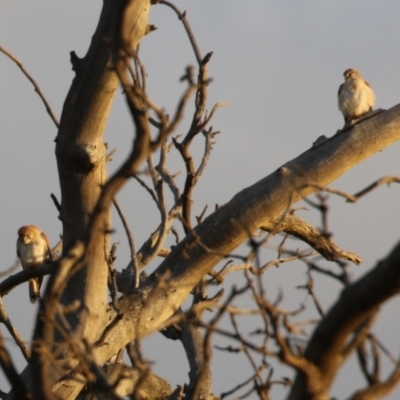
[33, 249]
[355, 96]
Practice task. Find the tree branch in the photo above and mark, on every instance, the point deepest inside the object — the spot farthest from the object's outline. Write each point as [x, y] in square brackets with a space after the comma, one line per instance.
[303, 230]
[231, 224]
[356, 305]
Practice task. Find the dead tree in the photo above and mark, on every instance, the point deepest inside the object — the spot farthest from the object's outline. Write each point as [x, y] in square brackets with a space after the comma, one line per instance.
[80, 334]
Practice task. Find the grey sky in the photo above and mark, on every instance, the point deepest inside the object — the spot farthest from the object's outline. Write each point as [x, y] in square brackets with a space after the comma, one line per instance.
[277, 64]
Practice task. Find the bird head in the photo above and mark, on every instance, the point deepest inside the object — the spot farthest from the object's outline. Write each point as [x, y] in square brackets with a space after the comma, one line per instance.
[27, 233]
[351, 74]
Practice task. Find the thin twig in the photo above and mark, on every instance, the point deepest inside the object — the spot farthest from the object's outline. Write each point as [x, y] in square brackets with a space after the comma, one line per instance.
[165, 175]
[134, 260]
[11, 373]
[240, 385]
[10, 269]
[353, 198]
[310, 290]
[182, 17]
[149, 190]
[35, 85]
[386, 179]
[13, 332]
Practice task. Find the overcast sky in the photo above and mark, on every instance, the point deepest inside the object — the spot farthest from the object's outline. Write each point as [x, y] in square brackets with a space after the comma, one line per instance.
[277, 64]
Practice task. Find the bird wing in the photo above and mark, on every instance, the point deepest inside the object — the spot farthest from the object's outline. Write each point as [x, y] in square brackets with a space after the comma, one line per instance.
[48, 249]
[368, 84]
[340, 89]
[18, 252]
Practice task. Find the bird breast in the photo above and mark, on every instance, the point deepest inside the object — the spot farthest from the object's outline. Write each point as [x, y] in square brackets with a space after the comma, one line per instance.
[356, 98]
[32, 254]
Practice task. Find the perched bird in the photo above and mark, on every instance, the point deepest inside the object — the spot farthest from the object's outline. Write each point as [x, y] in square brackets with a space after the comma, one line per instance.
[355, 97]
[33, 249]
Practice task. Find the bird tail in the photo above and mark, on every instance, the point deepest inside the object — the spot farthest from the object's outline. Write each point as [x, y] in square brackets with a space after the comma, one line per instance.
[34, 289]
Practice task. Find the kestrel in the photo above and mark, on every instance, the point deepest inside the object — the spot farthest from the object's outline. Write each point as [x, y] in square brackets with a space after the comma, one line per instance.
[355, 97]
[33, 249]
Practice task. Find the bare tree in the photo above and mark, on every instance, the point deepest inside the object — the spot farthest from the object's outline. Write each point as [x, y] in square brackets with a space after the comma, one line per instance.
[91, 315]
